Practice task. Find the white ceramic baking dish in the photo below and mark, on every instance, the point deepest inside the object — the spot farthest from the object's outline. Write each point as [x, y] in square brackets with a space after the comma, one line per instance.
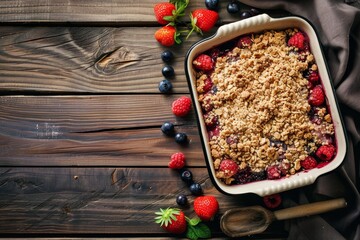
[252, 25]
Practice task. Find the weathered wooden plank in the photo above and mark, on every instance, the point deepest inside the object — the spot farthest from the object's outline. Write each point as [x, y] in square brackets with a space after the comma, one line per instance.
[96, 200]
[78, 59]
[90, 11]
[115, 130]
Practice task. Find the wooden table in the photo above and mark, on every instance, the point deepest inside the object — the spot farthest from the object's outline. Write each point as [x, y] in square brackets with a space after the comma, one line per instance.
[81, 151]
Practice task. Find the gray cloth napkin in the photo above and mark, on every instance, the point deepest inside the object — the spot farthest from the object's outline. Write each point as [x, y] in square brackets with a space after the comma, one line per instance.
[338, 25]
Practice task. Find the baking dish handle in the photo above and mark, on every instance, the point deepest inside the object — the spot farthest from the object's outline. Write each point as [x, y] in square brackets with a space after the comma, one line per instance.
[236, 26]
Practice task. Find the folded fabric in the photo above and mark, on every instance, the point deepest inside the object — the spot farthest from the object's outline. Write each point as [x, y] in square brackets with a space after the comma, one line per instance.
[338, 26]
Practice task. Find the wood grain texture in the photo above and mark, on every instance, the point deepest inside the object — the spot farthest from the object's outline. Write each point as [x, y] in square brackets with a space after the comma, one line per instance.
[81, 59]
[115, 130]
[115, 12]
[96, 200]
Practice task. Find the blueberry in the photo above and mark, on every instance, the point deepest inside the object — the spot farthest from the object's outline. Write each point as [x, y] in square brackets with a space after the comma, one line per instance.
[181, 138]
[167, 128]
[245, 14]
[212, 4]
[165, 86]
[254, 12]
[168, 71]
[233, 7]
[187, 177]
[196, 189]
[167, 56]
[181, 200]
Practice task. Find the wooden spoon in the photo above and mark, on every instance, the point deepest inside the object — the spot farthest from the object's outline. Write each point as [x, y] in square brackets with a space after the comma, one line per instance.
[245, 221]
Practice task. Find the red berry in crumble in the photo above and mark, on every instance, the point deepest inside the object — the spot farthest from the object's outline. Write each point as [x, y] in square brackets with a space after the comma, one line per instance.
[317, 96]
[297, 41]
[210, 119]
[244, 41]
[308, 163]
[273, 172]
[326, 152]
[229, 167]
[181, 106]
[272, 201]
[203, 62]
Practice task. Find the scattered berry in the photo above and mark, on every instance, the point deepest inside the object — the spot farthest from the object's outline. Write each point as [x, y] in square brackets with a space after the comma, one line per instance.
[181, 106]
[273, 172]
[308, 163]
[297, 41]
[168, 71]
[182, 200]
[272, 201]
[203, 62]
[233, 7]
[212, 4]
[181, 138]
[326, 152]
[172, 220]
[177, 161]
[317, 96]
[202, 20]
[229, 167]
[168, 128]
[167, 36]
[195, 189]
[167, 56]
[244, 41]
[245, 14]
[162, 10]
[165, 86]
[187, 177]
[206, 207]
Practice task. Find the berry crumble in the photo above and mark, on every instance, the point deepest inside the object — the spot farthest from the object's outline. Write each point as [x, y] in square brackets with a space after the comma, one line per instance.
[264, 107]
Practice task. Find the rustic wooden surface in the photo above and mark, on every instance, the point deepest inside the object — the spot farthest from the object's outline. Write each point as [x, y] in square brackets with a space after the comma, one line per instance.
[81, 151]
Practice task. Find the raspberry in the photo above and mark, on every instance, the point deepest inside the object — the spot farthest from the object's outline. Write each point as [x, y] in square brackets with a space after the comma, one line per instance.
[214, 132]
[177, 161]
[207, 85]
[298, 41]
[308, 163]
[313, 77]
[322, 164]
[244, 41]
[229, 167]
[181, 106]
[326, 152]
[317, 96]
[273, 172]
[203, 62]
[272, 201]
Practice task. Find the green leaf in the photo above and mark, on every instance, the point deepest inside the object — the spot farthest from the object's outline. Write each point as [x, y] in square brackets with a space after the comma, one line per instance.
[194, 221]
[203, 231]
[191, 233]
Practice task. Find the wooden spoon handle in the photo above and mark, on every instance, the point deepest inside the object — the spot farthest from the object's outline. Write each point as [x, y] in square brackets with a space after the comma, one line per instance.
[310, 209]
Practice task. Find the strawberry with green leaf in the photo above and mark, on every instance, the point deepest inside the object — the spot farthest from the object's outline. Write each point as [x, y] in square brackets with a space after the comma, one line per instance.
[169, 12]
[167, 36]
[172, 220]
[202, 20]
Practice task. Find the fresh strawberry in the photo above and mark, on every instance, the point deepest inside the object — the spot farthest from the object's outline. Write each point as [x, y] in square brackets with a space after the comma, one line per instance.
[326, 152]
[167, 36]
[177, 161]
[206, 207]
[272, 201]
[181, 106]
[163, 10]
[229, 167]
[172, 220]
[203, 62]
[298, 41]
[308, 163]
[202, 20]
[317, 96]
[169, 12]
